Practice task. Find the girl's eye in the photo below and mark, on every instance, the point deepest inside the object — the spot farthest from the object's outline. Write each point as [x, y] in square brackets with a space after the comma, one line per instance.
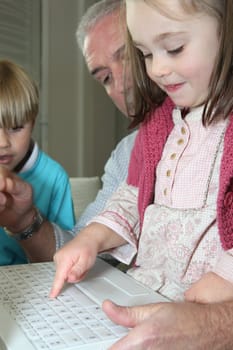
[144, 56]
[176, 51]
[147, 56]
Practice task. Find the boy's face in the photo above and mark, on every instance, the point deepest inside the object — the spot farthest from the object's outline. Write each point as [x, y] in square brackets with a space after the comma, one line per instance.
[14, 144]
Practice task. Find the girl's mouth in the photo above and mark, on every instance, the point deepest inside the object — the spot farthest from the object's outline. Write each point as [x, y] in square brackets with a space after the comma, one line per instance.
[173, 87]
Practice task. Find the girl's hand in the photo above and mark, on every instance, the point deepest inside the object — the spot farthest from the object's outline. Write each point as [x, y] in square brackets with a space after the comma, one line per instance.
[211, 288]
[74, 260]
[76, 257]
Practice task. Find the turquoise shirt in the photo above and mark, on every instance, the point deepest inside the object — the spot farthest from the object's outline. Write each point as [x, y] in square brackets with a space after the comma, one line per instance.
[51, 195]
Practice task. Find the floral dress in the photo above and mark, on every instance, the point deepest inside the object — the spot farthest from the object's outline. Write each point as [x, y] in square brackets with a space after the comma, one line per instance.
[179, 241]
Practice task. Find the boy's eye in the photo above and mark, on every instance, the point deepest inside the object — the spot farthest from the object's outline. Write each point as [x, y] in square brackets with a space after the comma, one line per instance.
[16, 128]
[176, 51]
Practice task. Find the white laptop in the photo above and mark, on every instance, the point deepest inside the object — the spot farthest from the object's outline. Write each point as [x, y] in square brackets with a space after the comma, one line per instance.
[30, 320]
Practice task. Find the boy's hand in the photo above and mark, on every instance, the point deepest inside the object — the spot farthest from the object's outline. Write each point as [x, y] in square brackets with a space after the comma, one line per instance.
[211, 288]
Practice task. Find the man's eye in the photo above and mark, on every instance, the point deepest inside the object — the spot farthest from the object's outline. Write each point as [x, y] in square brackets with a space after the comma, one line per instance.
[176, 51]
[107, 80]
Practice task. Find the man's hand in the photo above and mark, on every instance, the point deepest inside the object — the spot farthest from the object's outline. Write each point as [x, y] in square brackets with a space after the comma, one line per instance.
[174, 326]
[16, 206]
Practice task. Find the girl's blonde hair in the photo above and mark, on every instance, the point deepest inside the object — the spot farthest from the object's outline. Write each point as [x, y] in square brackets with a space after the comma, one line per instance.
[19, 97]
[219, 103]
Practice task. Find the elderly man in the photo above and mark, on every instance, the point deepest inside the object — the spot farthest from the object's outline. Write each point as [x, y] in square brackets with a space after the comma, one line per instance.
[100, 37]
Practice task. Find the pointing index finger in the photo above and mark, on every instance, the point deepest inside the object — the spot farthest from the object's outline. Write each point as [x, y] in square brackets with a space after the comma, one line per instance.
[58, 282]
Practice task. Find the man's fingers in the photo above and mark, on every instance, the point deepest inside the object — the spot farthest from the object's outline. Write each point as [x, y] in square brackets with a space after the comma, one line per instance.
[17, 187]
[136, 339]
[3, 200]
[128, 316]
[13, 186]
[4, 174]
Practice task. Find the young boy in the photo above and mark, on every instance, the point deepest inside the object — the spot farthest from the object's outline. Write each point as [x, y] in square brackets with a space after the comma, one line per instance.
[19, 104]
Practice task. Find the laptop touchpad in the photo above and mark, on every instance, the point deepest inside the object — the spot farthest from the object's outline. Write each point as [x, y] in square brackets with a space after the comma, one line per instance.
[102, 288]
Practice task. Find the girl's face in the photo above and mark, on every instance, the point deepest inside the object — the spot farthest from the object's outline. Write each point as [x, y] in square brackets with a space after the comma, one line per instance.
[14, 144]
[179, 52]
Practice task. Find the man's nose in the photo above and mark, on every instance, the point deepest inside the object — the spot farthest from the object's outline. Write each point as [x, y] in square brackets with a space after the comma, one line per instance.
[119, 77]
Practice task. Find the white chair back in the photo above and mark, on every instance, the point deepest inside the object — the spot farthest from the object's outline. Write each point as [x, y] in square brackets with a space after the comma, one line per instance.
[84, 191]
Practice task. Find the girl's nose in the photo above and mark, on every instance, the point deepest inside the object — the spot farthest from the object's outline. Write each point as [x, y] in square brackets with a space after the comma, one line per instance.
[160, 67]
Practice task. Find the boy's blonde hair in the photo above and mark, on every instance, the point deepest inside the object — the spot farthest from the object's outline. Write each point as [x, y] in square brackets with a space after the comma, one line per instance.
[219, 103]
[19, 97]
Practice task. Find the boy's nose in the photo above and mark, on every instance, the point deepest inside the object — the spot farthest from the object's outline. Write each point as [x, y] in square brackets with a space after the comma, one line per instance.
[4, 139]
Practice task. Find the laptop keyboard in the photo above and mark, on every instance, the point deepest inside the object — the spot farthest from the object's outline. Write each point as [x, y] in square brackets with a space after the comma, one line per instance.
[71, 320]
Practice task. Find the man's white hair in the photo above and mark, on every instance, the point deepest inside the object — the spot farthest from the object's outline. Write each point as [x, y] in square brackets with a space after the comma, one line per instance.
[92, 16]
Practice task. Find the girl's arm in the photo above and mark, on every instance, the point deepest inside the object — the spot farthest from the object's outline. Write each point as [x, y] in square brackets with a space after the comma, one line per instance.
[75, 259]
[121, 215]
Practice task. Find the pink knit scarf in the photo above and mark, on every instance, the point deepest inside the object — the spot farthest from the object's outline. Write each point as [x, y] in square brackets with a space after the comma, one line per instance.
[147, 152]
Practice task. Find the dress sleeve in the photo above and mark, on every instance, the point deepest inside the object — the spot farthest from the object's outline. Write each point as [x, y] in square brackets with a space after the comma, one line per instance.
[121, 215]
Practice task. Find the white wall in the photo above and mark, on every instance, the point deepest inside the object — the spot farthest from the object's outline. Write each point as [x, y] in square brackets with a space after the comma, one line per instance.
[83, 124]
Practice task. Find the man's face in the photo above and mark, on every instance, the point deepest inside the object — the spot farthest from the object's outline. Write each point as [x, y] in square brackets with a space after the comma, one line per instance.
[104, 51]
